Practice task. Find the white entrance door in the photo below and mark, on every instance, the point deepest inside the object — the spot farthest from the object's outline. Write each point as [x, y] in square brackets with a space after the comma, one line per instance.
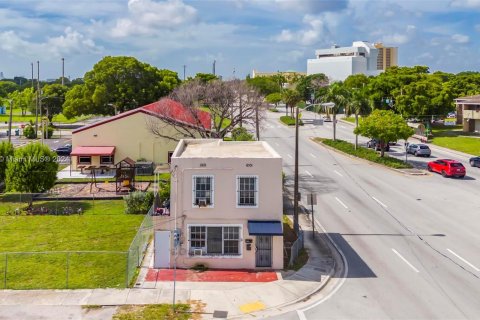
[162, 249]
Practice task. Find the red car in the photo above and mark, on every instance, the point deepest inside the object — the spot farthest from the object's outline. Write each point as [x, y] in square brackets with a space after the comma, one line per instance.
[447, 167]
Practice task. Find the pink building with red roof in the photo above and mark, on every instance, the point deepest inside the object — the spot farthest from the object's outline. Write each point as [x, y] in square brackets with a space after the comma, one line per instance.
[129, 135]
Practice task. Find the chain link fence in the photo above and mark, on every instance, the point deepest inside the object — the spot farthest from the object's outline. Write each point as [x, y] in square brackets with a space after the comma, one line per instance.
[296, 247]
[138, 247]
[69, 269]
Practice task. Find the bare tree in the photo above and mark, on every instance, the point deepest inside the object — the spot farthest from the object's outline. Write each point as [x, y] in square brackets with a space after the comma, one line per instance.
[229, 103]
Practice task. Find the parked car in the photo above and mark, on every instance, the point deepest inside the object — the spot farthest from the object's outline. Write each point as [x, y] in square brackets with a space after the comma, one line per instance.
[447, 168]
[373, 143]
[65, 150]
[419, 149]
[475, 162]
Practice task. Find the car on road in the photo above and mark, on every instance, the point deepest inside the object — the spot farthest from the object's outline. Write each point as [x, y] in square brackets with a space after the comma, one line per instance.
[419, 149]
[447, 168]
[374, 143]
[475, 162]
[64, 151]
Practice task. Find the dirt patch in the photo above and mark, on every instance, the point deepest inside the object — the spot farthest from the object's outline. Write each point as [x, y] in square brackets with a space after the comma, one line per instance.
[99, 190]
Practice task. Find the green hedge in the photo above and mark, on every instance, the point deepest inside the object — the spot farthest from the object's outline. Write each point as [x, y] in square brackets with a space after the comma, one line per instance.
[364, 153]
[290, 121]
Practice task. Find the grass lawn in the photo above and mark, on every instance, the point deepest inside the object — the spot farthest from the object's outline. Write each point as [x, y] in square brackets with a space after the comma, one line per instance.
[290, 121]
[103, 226]
[454, 138]
[226, 122]
[153, 312]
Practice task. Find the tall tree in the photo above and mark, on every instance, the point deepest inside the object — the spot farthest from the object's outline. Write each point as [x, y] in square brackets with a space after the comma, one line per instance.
[53, 97]
[117, 84]
[358, 104]
[221, 99]
[385, 126]
[7, 87]
[335, 99]
[312, 85]
[291, 98]
[25, 100]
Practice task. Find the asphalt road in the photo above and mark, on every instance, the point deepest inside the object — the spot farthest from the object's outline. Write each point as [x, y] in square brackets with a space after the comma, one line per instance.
[410, 243]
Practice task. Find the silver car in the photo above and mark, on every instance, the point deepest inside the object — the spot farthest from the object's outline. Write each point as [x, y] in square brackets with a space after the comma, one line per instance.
[419, 150]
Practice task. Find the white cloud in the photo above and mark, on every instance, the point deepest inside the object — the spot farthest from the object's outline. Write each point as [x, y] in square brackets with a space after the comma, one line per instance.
[146, 17]
[466, 3]
[460, 38]
[395, 39]
[70, 42]
[285, 36]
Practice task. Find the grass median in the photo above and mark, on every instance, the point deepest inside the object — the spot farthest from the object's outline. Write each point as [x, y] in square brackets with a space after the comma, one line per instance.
[364, 153]
[290, 121]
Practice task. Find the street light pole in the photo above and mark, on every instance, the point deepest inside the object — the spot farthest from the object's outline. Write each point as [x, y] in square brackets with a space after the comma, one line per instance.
[10, 123]
[296, 227]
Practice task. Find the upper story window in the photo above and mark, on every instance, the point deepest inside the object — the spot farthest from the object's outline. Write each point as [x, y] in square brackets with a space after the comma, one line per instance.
[203, 191]
[247, 191]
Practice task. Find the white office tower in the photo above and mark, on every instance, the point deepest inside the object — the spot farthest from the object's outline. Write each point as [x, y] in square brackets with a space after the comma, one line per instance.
[337, 63]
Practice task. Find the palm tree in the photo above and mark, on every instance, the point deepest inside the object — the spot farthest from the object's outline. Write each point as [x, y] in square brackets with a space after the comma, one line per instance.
[358, 105]
[291, 98]
[335, 99]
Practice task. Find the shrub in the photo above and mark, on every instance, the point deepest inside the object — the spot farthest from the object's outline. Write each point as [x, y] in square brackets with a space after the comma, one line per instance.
[138, 202]
[29, 132]
[241, 134]
[48, 133]
[290, 121]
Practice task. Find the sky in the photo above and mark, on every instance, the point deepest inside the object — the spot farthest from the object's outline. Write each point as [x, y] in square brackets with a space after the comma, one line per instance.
[239, 35]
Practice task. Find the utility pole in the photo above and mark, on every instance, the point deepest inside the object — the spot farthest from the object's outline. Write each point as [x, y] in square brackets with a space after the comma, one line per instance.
[233, 73]
[10, 122]
[257, 123]
[32, 75]
[296, 227]
[63, 71]
[184, 67]
[38, 98]
[214, 61]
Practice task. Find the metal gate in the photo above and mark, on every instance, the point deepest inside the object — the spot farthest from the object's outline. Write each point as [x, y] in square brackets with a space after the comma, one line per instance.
[263, 254]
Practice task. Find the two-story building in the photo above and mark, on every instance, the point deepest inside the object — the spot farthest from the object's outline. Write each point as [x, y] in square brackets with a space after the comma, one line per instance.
[226, 204]
[468, 113]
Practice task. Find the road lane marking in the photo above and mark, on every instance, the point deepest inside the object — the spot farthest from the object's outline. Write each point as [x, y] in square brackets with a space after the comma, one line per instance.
[338, 173]
[343, 277]
[405, 260]
[290, 156]
[311, 175]
[342, 127]
[313, 156]
[456, 255]
[340, 201]
[379, 202]
[56, 141]
[301, 315]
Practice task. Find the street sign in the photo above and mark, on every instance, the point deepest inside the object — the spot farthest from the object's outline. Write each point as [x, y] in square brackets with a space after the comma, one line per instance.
[312, 199]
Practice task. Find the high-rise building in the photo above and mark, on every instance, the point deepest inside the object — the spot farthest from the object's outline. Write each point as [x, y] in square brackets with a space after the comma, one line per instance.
[387, 56]
[337, 63]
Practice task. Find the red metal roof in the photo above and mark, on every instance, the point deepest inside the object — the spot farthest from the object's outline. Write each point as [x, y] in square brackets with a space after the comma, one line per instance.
[164, 108]
[93, 151]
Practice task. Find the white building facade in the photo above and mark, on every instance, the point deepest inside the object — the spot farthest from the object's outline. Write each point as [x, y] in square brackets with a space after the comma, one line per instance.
[337, 63]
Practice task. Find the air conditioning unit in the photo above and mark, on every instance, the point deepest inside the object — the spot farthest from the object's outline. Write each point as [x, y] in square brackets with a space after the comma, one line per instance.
[197, 252]
[202, 202]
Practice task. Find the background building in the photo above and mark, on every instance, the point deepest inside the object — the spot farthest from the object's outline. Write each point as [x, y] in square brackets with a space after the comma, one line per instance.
[337, 63]
[387, 56]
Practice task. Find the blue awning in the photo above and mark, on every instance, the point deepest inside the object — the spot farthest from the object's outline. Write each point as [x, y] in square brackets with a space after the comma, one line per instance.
[265, 228]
